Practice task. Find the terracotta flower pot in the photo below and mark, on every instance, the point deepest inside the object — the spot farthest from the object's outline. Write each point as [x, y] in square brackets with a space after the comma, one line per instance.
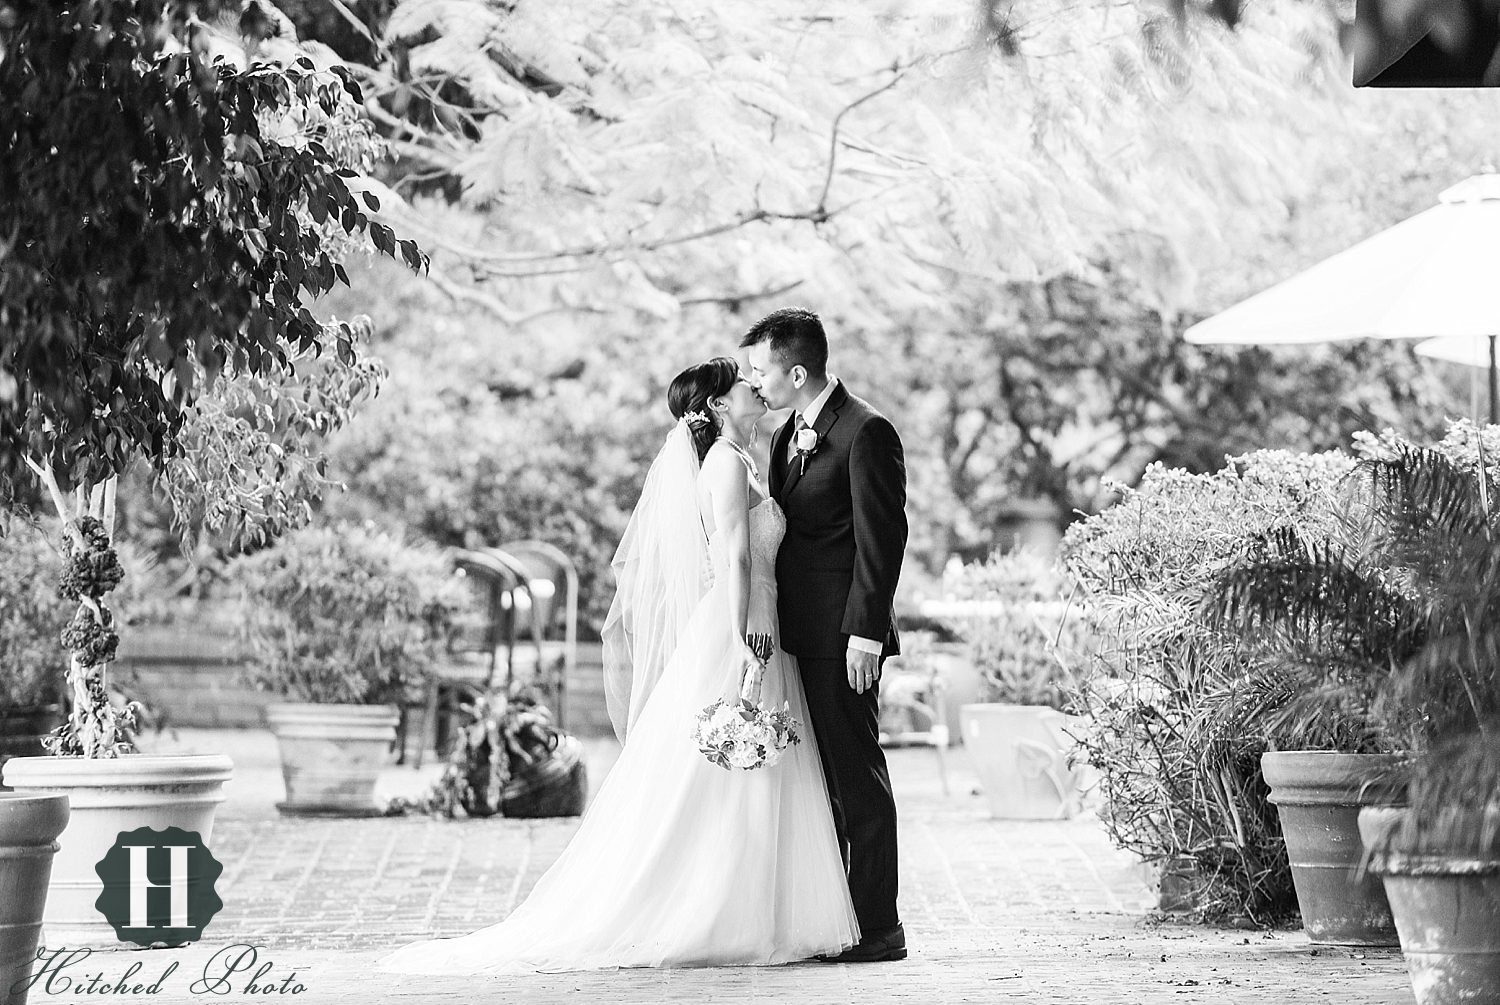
[1447, 910]
[1318, 795]
[332, 755]
[29, 826]
[1021, 755]
[107, 796]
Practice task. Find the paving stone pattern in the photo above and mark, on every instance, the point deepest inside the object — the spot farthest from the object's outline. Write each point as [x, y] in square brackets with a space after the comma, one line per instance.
[994, 911]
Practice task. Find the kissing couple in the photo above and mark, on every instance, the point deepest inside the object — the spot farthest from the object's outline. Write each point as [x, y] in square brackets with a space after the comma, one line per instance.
[681, 861]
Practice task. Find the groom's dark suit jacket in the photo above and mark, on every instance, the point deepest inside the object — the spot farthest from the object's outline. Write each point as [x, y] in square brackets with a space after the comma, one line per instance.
[846, 530]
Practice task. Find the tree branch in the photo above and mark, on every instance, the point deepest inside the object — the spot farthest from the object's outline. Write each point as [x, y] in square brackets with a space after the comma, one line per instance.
[357, 24]
[833, 139]
[733, 300]
[379, 114]
[961, 457]
[467, 294]
[49, 481]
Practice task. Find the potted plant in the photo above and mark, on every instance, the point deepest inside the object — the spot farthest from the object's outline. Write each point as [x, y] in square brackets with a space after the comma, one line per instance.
[1013, 619]
[340, 621]
[32, 617]
[29, 826]
[1166, 728]
[118, 338]
[108, 793]
[1315, 660]
[510, 758]
[1410, 600]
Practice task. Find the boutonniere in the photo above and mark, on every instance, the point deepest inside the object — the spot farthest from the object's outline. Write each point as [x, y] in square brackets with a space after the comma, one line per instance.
[806, 442]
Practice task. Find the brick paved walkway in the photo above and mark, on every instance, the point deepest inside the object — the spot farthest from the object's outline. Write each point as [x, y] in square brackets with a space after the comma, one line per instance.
[994, 911]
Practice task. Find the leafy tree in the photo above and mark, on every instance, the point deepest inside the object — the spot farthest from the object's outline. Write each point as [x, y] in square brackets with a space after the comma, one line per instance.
[1059, 189]
[1064, 389]
[161, 214]
[167, 216]
[1006, 228]
[482, 435]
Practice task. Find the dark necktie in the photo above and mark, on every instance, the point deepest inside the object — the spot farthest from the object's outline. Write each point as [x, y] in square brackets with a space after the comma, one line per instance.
[798, 424]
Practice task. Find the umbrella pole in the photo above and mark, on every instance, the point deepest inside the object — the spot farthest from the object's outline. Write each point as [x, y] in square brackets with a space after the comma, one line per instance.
[1494, 386]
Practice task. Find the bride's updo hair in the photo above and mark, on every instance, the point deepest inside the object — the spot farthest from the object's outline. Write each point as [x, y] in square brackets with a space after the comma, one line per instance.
[690, 392]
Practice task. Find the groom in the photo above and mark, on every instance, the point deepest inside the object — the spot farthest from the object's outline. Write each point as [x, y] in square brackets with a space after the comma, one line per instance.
[838, 472]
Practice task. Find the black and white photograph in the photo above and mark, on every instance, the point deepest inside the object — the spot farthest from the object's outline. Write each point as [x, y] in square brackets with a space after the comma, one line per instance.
[754, 501]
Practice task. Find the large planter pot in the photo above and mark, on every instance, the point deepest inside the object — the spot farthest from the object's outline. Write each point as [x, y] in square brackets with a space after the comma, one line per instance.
[29, 826]
[107, 796]
[22, 729]
[331, 756]
[1447, 911]
[1021, 755]
[1318, 796]
[962, 685]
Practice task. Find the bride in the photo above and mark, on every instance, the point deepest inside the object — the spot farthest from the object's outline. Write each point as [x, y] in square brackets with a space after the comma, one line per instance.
[679, 862]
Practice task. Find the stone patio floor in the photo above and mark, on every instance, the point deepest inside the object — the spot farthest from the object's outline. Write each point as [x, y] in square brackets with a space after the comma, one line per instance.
[994, 911]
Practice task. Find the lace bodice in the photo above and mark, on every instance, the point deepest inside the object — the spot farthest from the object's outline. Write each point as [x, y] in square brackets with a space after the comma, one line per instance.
[767, 528]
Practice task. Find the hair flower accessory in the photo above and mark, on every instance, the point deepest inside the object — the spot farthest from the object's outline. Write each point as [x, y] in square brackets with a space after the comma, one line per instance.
[695, 420]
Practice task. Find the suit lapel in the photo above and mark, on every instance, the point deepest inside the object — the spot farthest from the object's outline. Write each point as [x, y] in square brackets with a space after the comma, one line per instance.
[826, 419]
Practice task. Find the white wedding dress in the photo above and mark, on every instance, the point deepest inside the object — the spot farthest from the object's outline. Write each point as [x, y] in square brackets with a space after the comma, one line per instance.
[679, 862]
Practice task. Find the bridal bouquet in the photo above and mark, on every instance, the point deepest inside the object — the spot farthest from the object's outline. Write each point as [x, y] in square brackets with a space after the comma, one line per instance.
[742, 733]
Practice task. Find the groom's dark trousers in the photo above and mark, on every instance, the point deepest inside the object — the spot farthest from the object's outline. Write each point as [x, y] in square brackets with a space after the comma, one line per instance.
[836, 574]
[859, 787]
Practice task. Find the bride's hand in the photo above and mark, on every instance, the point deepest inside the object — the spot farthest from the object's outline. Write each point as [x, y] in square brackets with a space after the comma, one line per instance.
[760, 645]
[751, 678]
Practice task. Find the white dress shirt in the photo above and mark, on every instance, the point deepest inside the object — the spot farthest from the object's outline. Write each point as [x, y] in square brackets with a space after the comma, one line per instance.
[811, 413]
[810, 416]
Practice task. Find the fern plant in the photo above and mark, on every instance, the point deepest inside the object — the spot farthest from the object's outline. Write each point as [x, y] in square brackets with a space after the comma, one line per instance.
[1391, 625]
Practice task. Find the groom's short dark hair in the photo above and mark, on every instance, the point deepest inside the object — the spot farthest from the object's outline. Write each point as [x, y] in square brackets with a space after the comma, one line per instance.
[796, 337]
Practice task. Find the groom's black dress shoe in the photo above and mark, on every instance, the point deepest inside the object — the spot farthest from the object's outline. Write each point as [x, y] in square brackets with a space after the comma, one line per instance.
[876, 947]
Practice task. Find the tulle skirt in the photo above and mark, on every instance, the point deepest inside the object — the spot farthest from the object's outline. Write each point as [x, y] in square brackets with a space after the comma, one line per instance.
[679, 862]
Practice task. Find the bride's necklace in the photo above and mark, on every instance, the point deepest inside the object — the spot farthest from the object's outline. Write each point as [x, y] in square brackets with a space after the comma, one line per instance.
[754, 469]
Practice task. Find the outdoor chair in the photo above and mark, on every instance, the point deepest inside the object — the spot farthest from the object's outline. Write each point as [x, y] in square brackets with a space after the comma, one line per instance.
[912, 711]
[482, 654]
[552, 580]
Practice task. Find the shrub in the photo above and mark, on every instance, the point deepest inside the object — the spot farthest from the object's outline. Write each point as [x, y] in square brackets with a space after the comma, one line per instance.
[1178, 762]
[1398, 616]
[32, 618]
[344, 614]
[1018, 629]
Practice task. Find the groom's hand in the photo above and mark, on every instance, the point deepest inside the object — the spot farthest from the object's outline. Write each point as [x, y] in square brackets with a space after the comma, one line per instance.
[864, 669]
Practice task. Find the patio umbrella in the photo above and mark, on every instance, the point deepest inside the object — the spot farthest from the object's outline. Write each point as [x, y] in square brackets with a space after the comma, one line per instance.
[1432, 275]
[1474, 352]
